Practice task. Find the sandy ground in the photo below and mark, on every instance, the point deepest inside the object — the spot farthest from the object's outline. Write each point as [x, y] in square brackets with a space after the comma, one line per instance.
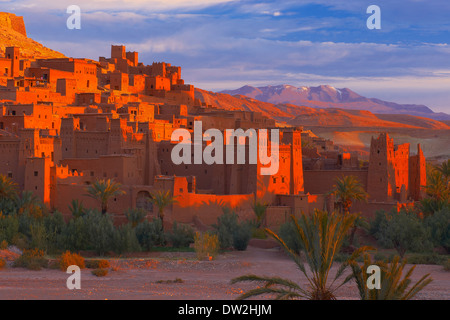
[202, 280]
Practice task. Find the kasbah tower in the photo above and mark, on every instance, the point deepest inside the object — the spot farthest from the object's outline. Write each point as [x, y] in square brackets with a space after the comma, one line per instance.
[66, 123]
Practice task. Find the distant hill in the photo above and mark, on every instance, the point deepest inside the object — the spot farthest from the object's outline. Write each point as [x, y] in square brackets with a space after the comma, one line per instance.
[228, 102]
[295, 115]
[13, 34]
[325, 96]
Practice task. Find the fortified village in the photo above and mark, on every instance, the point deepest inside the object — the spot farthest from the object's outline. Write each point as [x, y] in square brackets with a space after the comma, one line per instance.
[65, 123]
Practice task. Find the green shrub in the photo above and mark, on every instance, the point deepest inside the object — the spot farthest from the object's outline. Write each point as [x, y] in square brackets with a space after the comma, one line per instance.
[68, 259]
[74, 236]
[206, 245]
[289, 234]
[39, 238]
[54, 225]
[100, 272]
[438, 225]
[150, 234]
[8, 206]
[125, 240]
[100, 229]
[241, 236]
[425, 258]
[402, 230]
[91, 231]
[26, 221]
[9, 227]
[226, 224]
[32, 259]
[182, 235]
[230, 232]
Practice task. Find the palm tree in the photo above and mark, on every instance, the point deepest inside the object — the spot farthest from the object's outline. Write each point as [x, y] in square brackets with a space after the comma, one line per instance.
[259, 209]
[77, 209]
[135, 216]
[437, 186]
[8, 188]
[162, 199]
[322, 236]
[392, 286]
[347, 190]
[444, 168]
[29, 204]
[103, 190]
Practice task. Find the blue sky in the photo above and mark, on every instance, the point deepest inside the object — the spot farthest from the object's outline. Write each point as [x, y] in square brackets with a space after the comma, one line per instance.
[225, 44]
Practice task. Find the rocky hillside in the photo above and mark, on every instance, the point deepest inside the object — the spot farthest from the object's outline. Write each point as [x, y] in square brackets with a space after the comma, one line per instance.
[13, 33]
[228, 102]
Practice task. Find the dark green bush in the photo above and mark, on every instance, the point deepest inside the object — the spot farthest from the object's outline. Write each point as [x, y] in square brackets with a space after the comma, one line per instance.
[438, 225]
[7, 206]
[92, 231]
[182, 235]
[289, 234]
[241, 236]
[150, 234]
[402, 230]
[9, 227]
[231, 233]
[226, 224]
[425, 258]
[74, 235]
[54, 225]
[100, 228]
[125, 240]
[39, 238]
[25, 222]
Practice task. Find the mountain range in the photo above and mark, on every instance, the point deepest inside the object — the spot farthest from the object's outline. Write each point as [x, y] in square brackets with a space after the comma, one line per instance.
[325, 96]
[294, 115]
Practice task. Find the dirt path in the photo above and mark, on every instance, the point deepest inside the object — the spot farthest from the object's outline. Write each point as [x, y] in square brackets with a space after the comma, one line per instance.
[202, 280]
